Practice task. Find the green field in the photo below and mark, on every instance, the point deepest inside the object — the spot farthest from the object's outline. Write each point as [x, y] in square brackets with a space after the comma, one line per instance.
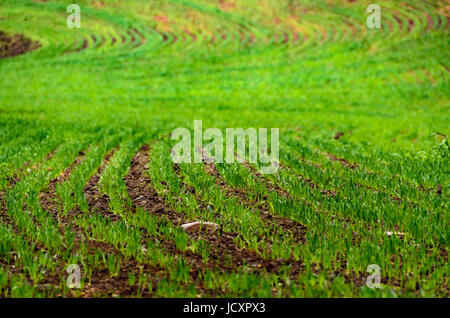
[87, 178]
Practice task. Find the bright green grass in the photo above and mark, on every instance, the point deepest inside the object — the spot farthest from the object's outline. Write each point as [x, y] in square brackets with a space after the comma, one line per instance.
[141, 77]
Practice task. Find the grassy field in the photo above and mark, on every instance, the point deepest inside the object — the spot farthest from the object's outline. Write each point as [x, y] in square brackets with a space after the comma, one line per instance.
[86, 175]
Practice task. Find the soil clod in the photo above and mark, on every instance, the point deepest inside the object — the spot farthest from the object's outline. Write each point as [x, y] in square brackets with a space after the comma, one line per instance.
[17, 44]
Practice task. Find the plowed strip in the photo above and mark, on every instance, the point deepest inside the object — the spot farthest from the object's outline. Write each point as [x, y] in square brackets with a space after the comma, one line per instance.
[99, 202]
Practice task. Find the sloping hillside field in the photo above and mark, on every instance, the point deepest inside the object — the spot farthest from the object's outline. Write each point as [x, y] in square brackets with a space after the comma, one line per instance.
[116, 121]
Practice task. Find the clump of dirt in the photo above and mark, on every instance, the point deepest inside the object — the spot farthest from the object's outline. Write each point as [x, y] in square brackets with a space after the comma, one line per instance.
[142, 194]
[15, 44]
[439, 189]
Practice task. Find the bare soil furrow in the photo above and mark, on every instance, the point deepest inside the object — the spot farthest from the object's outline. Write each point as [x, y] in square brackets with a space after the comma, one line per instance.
[16, 44]
[84, 46]
[99, 202]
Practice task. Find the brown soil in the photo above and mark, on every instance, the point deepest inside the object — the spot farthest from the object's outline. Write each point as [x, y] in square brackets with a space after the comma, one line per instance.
[430, 22]
[295, 37]
[224, 253]
[142, 194]
[343, 161]
[410, 25]
[174, 38]
[212, 39]
[51, 280]
[122, 38]
[105, 285]
[15, 178]
[354, 30]
[15, 45]
[165, 37]
[289, 226]
[352, 277]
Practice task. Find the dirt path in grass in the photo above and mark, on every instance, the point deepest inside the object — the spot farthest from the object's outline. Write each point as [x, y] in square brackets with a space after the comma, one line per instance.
[84, 46]
[103, 283]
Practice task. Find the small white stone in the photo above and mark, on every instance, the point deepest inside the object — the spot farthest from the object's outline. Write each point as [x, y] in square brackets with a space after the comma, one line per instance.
[195, 226]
